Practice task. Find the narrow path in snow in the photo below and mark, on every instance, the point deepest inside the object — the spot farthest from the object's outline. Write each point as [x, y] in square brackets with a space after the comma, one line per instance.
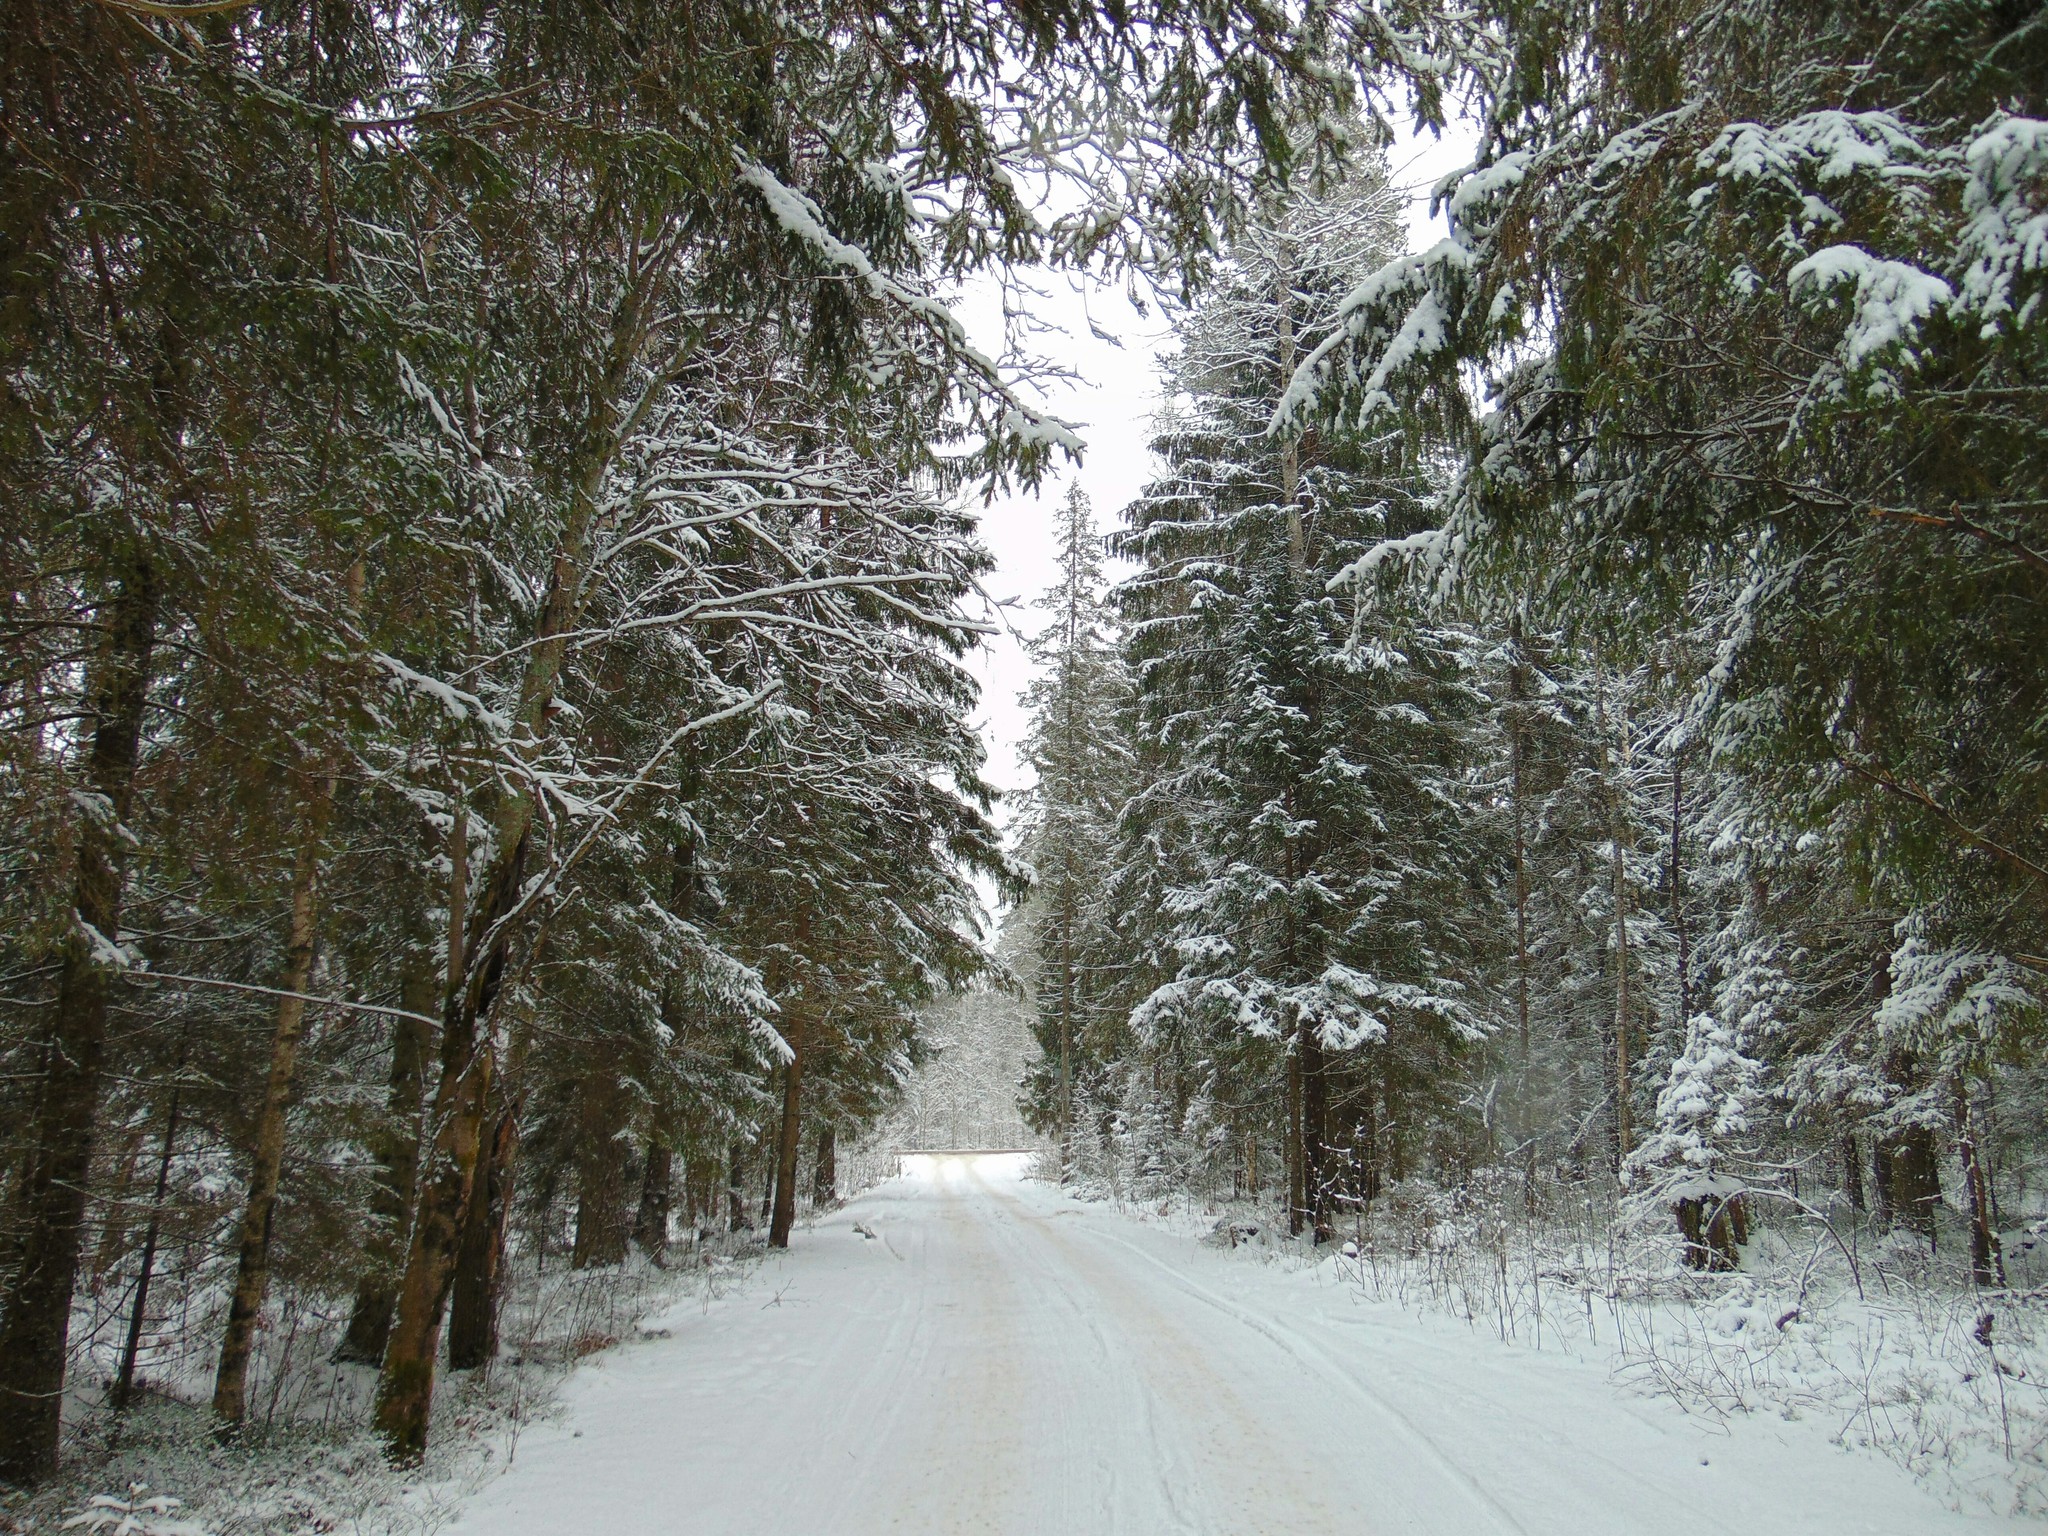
[1000, 1359]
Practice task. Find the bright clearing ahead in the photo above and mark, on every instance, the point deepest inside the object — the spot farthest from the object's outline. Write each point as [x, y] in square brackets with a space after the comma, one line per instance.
[965, 1351]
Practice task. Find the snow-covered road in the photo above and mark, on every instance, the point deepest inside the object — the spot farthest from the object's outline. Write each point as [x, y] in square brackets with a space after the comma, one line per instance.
[1000, 1359]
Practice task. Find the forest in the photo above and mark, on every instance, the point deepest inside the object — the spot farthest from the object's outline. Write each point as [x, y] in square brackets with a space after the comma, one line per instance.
[1562, 728]
[488, 511]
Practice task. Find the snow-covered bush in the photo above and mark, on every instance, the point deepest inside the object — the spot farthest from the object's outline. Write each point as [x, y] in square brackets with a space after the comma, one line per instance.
[1702, 1118]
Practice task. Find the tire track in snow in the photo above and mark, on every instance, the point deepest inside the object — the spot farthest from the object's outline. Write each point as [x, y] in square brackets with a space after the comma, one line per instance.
[1223, 1466]
[1318, 1361]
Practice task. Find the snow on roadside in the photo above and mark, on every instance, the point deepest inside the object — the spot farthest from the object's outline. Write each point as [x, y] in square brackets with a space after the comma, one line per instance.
[1883, 1350]
[321, 1470]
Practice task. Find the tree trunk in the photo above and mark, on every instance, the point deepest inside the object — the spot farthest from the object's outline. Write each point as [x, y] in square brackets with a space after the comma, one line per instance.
[1296, 1184]
[397, 1149]
[405, 1392]
[406, 1388]
[787, 1143]
[825, 1171]
[1852, 1171]
[650, 1222]
[1915, 1182]
[1987, 1264]
[252, 1263]
[131, 1350]
[1525, 1119]
[1713, 1229]
[736, 1219]
[1883, 1206]
[1618, 874]
[1315, 1135]
[601, 1173]
[1678, 891]
[480, 1265]
[50, 1203]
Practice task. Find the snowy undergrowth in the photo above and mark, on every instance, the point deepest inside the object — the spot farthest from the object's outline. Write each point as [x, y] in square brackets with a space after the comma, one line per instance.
[1884, 1345]
[1886, 1349]
[313, 1467]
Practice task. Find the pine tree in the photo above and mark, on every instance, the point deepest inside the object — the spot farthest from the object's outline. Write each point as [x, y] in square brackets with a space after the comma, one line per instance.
[1068, 824]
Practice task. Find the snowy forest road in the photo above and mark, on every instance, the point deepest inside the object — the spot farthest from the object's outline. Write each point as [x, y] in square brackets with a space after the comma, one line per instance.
[997, 1358]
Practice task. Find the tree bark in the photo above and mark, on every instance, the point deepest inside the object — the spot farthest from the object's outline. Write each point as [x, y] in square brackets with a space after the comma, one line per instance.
[1852, 1171]
[397, 1148]
[1296, 1184]
[825, 1171]
[736, 1189]
[657, 1184]
[784, 1216]
[252, 1263]
[1678, 891]
[1618, 871]
[1915, 1181]
[50, 1214]
[405, 1390]
[1315, 1135]
[480, 1265]
[1525, 1128]
[601, 1172]
[131, 1350]
[1883, 1207]
[1987, 1264]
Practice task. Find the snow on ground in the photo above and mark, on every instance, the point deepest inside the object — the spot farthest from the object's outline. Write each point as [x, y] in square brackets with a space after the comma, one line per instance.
[964, 1350]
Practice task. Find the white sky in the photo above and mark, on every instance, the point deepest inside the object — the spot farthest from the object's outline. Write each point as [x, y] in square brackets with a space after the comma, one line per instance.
[1113, 403]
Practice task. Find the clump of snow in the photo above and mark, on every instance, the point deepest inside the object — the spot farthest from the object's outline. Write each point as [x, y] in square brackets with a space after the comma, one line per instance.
[1891, 299]
[2005, 231]
[138, 1513]
[1822, 146]
[1488, 182]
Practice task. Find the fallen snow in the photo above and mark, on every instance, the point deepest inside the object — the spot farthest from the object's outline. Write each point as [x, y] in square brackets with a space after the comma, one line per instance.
[998, 1358]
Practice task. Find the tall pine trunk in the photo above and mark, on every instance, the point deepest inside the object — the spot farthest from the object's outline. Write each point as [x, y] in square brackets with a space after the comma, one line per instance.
[787, 1142]
[398, 1150]
[123, 1392]
[736, 1189]
[1296, 1182]
[1618, 875]
[657, 1186]
[1525, 1127]
[252, 1258]
[479, 1282]
[1987, 1264]
[396, 1147]
[825, 1171]
[1315, 1135]
[601, 1171]
[405, 1391]
[1852, 1171]
[50, 1211]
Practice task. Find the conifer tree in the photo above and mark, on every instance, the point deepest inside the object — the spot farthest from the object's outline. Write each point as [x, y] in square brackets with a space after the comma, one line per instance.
[1068, 827]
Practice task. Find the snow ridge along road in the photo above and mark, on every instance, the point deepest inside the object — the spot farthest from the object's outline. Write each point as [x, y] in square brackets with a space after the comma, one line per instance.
[1000, 1359]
